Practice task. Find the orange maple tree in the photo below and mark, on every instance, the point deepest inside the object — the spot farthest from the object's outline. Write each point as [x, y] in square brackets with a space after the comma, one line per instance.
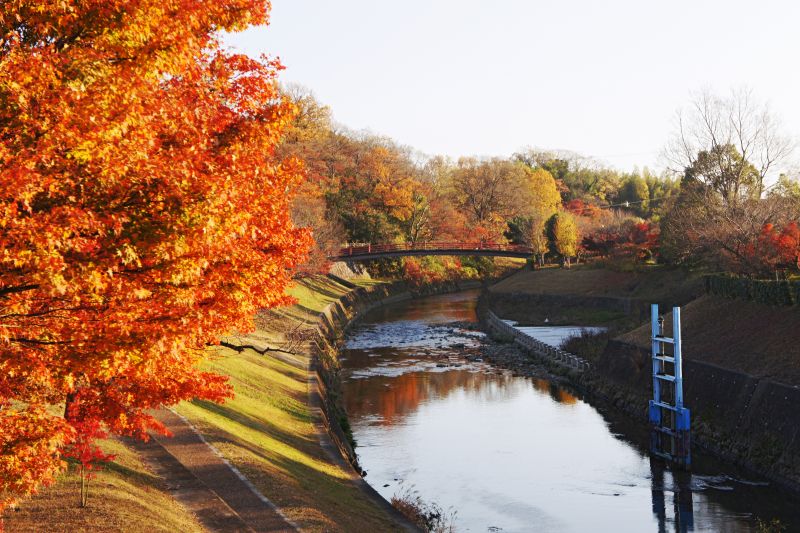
[775, 248]
[143, 213]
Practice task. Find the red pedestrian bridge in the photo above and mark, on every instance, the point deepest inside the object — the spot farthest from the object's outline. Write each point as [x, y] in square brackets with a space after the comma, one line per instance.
[366, 252]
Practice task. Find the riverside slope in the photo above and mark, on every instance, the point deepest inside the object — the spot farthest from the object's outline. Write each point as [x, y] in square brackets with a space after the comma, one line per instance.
[740, 359]
[285, 429]
[270, 430]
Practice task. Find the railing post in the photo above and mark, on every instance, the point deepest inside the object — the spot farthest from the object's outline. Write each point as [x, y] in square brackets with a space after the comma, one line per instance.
[655, 414]
[676, 335]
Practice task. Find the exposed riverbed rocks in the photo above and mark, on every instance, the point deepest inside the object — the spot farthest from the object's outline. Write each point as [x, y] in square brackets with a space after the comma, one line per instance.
[503, 356]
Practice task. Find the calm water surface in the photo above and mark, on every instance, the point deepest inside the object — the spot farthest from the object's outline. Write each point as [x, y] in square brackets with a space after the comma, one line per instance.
[518, 454]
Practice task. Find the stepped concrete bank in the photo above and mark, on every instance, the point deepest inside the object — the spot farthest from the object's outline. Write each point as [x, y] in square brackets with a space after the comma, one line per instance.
[552, 354]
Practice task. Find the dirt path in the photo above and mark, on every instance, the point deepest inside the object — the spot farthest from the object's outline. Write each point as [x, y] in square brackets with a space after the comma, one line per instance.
[221, 497]
[212, 512]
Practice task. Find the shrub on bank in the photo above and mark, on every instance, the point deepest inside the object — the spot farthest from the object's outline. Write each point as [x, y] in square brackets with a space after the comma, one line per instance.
[429, 270]
[589, 345]
[426, 516]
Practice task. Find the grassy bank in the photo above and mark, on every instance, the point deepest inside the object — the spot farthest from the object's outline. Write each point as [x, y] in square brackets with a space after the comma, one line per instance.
[125, 496]
[745, 336]
[590, 295]
[648, 282]
[267, 430]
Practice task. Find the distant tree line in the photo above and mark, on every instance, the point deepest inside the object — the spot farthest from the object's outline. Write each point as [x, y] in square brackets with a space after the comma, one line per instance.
[712, 208]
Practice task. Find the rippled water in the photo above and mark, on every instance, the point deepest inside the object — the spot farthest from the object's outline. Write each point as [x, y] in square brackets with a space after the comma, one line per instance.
[517, 454]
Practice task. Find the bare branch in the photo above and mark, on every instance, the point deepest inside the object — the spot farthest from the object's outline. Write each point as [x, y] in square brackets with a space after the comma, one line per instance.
[721, 128]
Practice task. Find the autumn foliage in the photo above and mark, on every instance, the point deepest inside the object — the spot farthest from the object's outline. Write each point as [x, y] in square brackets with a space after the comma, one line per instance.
[142, 214]
[775, 248]
[419, 272]
[622, 238]
[581, 208]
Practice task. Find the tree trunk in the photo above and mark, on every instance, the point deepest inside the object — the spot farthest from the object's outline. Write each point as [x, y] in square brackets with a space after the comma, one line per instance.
[68, 403]
[84, 487]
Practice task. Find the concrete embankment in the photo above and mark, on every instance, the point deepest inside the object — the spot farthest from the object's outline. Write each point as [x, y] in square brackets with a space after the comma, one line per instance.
[742, 418]
[739, 411]
[741, 368]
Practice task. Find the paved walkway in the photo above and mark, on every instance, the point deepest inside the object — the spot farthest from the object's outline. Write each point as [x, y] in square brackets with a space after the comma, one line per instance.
[212, 512]
[221, 497]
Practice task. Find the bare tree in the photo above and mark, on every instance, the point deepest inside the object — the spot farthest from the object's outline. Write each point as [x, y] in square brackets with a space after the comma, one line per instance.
[731, 144]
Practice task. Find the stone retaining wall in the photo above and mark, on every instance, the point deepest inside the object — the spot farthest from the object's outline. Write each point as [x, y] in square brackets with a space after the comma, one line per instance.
[749, 420]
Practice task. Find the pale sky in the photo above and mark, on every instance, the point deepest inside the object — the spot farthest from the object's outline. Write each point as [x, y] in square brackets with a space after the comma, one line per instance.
[486, 78]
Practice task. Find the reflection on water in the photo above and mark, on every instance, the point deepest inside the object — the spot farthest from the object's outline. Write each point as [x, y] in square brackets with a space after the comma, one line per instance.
[511, 453]
[682, 516]
[387, 400]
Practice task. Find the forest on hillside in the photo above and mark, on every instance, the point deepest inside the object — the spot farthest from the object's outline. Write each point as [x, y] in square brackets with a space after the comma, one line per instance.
[712, 209]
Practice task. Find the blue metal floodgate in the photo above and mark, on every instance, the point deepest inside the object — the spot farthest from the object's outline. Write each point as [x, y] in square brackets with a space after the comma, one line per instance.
[670, 420]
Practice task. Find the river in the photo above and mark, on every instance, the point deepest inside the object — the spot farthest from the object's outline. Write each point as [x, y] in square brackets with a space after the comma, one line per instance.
[507, 453]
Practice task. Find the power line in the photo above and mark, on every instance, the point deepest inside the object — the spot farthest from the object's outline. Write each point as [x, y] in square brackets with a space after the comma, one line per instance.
[623, 204]
[628, 204]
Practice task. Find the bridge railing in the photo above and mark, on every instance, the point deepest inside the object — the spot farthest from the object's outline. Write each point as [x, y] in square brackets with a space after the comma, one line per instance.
[370, 249]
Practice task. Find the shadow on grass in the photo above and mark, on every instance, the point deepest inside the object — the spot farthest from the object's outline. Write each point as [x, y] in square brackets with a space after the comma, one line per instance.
[144, 478]
[306, 310]
[315, 484]
[334, 498]
[291, 383]
[260, 425]
[288, 315]
[323, 287]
